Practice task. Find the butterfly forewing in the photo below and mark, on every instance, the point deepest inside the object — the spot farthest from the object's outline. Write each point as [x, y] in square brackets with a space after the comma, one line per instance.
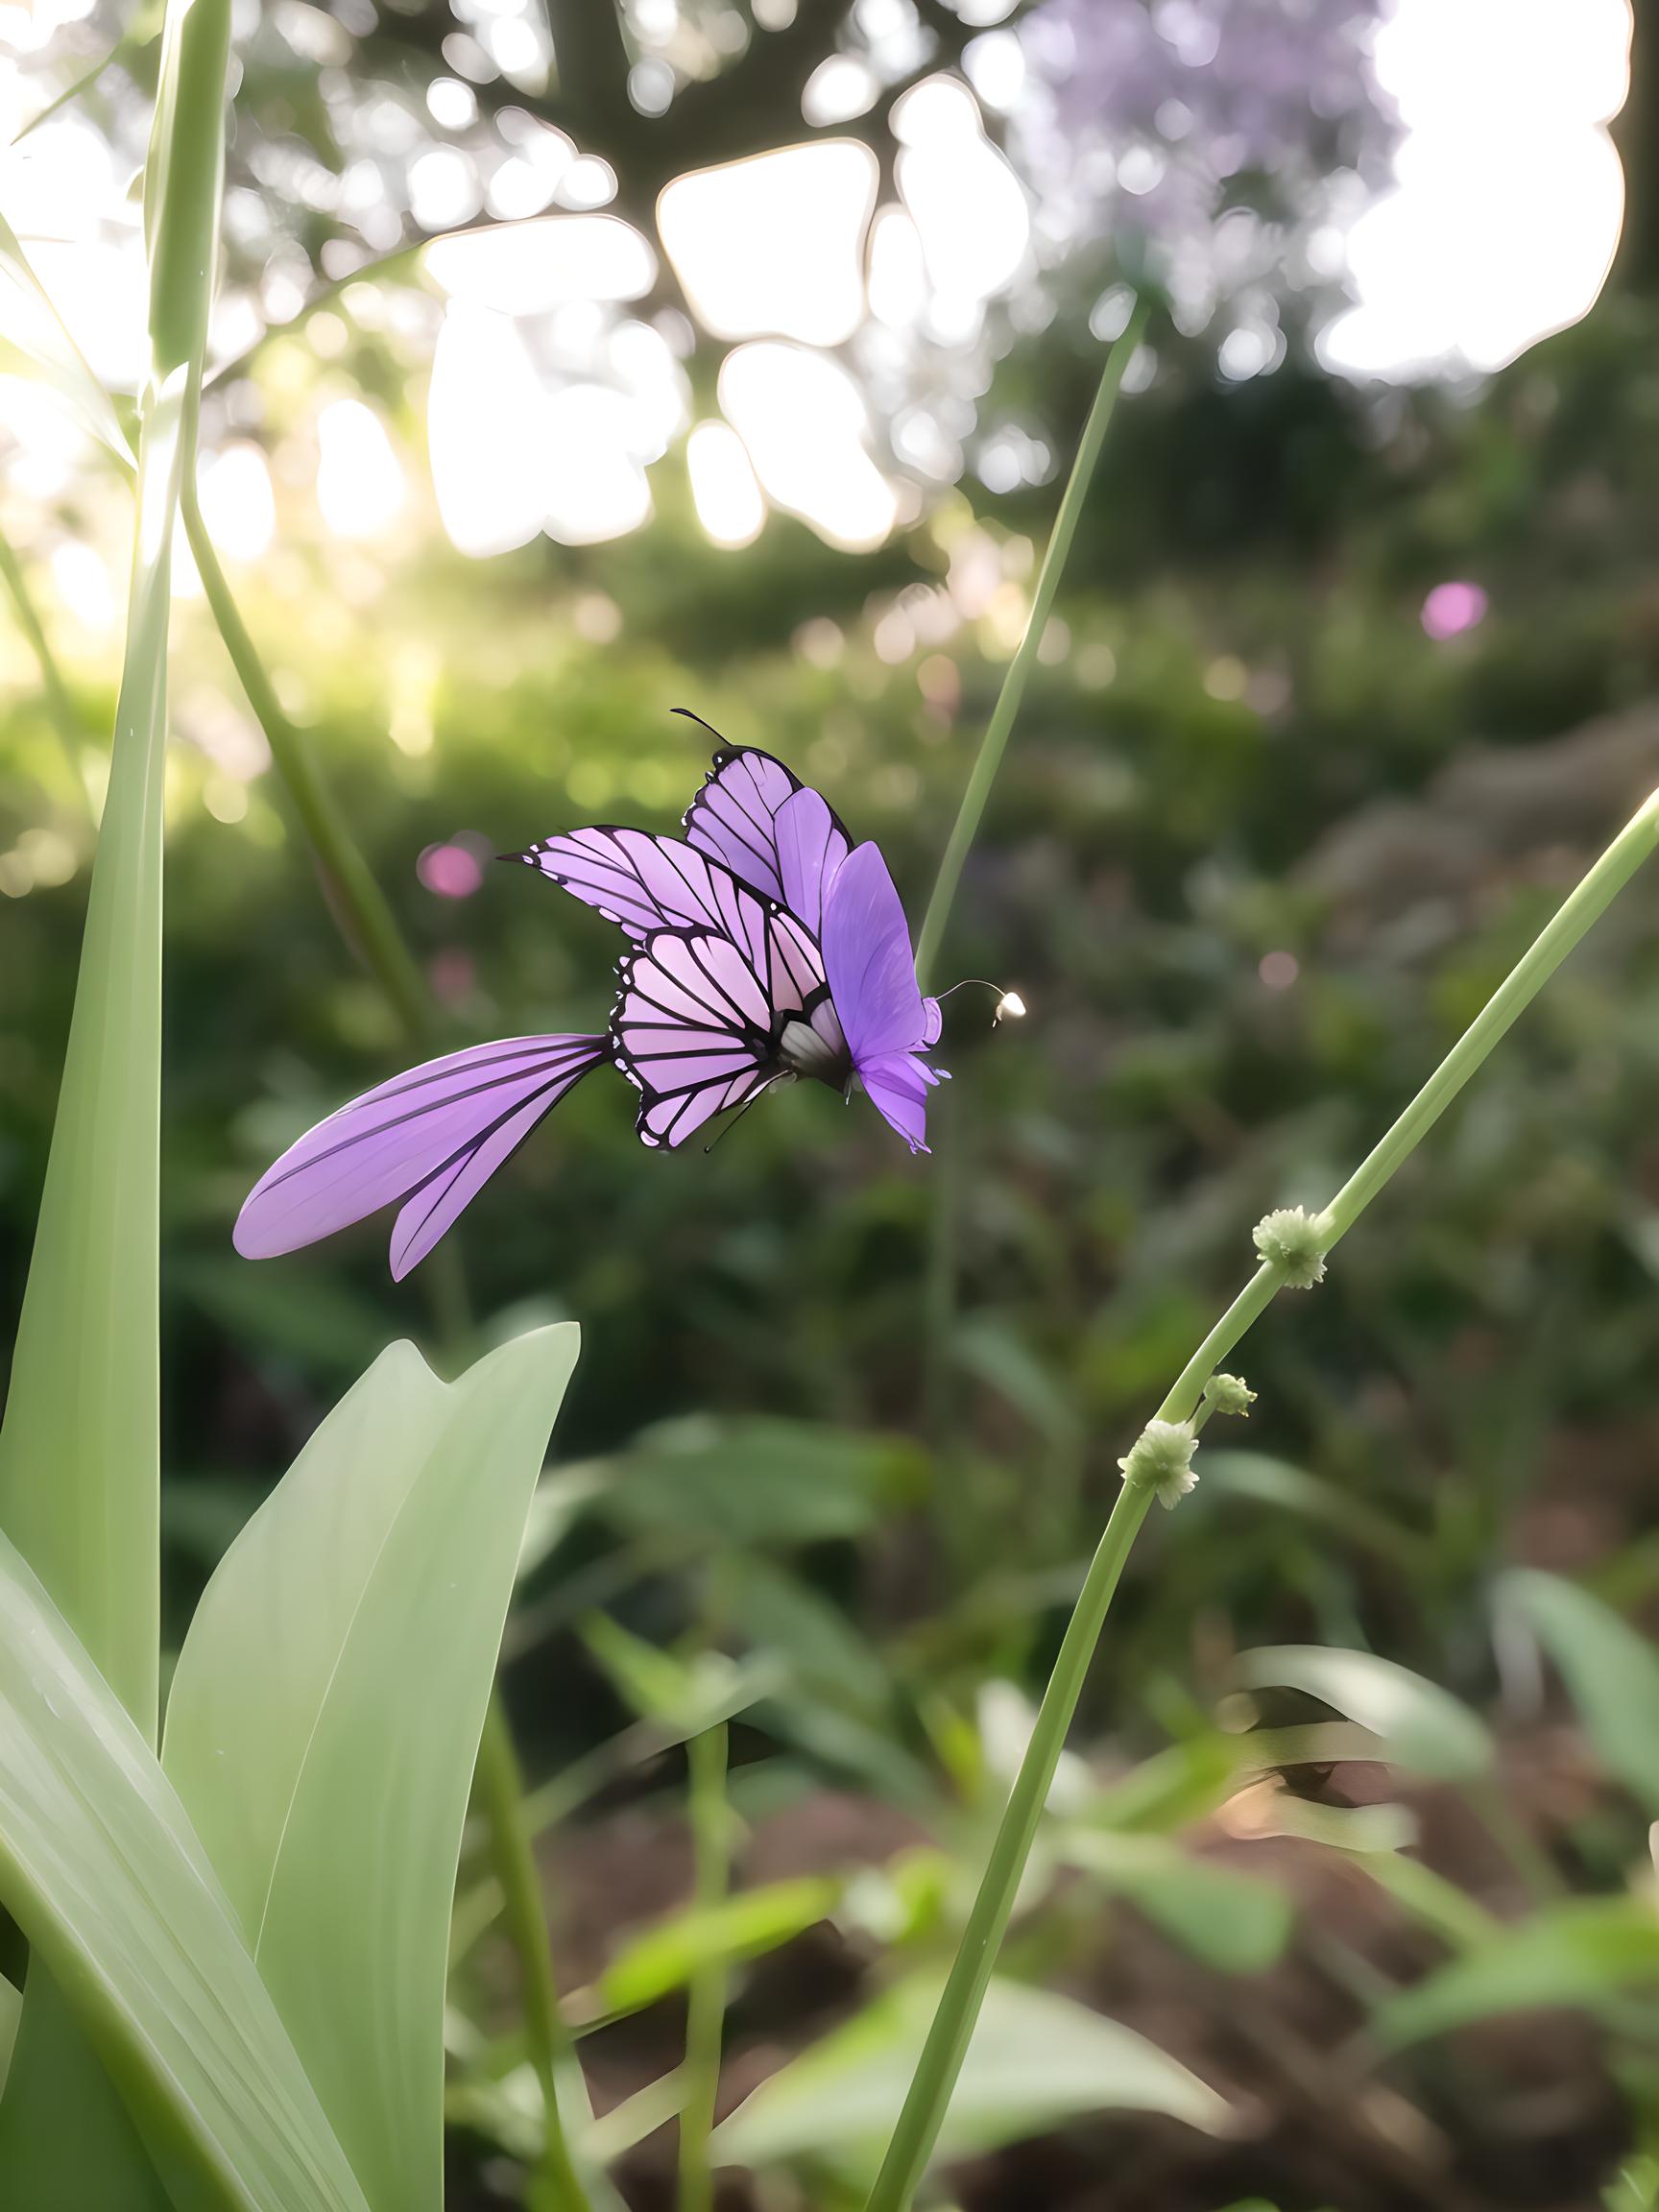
[644, 883]
[871, 976]
[735, 819]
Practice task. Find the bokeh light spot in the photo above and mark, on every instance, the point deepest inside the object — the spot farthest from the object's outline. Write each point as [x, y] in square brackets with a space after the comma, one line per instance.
[1453, 608]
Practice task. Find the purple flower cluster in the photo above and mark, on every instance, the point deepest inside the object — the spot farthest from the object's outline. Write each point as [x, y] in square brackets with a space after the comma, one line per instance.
[1160, 114]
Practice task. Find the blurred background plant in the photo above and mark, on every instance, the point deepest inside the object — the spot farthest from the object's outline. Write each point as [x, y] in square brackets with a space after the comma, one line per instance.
[746, 389]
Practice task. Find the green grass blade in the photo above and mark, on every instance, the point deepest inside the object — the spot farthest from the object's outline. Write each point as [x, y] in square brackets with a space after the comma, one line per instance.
[66, 2140]
[80, 1470]
[326, 1714]
[35, 343]
[101, 1869]
[79, 1448]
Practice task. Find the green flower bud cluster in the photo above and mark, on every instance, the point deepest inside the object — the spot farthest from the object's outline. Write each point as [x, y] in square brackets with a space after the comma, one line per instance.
[1229, 1394]
[1292, 1239]
[1161, 1460]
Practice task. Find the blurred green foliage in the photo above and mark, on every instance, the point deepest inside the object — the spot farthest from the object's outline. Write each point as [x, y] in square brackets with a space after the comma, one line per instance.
[845, 1425]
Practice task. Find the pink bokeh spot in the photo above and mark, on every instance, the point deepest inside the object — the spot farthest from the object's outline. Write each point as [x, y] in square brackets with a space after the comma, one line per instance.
[449, 871]
[1450, 609]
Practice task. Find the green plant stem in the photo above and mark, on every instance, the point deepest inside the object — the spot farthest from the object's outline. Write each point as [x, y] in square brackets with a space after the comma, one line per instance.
[501, 1792]
[359, 902]
[705, 2008]
[994, 742]
[952, 2028]
[52, 689]
[368, 926]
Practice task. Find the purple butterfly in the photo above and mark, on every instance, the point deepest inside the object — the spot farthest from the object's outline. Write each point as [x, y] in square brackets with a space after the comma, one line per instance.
[764, 948]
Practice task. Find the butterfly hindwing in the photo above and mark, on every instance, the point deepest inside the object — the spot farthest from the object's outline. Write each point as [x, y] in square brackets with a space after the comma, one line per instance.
[432, 1137]
[696, 1025]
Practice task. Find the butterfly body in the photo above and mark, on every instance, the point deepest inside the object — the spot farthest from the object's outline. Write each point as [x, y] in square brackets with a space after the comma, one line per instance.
[817, 1048]
[764, 948]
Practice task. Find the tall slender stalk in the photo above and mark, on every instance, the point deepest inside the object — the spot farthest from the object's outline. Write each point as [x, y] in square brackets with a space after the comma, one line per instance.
[947, 2045]
[994, 742]
[706, 2006]
[501, 1792]
[79, 1448]
[366, 920]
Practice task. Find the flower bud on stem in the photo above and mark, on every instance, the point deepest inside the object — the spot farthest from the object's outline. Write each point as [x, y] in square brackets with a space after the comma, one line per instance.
[1290, 1254]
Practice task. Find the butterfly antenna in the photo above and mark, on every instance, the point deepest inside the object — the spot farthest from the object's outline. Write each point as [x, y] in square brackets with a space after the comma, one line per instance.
[1010, 1006]
[691, 716]
[754, 1098]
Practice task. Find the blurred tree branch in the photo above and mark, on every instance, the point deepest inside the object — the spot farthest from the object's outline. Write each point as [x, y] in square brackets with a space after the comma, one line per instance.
[749, 106]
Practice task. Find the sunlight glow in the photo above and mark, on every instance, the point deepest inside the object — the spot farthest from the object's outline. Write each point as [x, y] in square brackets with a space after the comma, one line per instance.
[544, 263]
[1509, 194]
[967, 204]
[803, 420]
[515, 451]
[775, 244]
[728, 500]
[898, 269]
[237, 503]
[360, 485]
[486, 427]
[595, 483]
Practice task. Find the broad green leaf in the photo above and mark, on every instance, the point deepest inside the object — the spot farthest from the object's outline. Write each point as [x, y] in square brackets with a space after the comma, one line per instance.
[1422, 1726]
[102, 1870]
[67, 2139]
[746, 1925]
[1611, 1674]
[35, 343]
[325, 1716]
[79, 1445]
[1036, 2061]
[1577, 1954]
[10, 2011]
[1233, 1921]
